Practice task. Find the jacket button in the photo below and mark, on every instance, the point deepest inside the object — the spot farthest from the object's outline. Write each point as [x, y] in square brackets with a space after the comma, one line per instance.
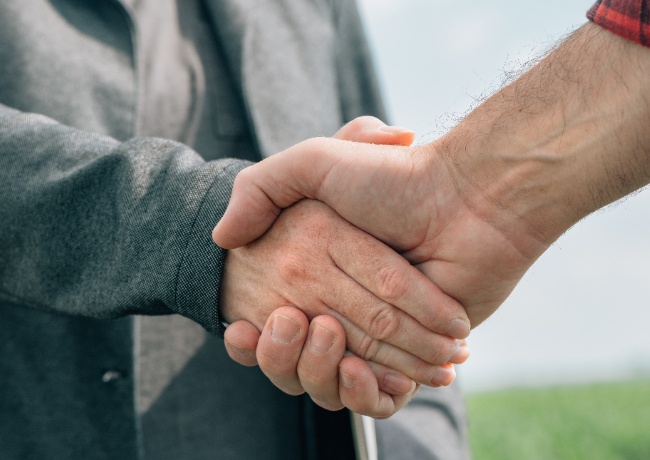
[111, 376]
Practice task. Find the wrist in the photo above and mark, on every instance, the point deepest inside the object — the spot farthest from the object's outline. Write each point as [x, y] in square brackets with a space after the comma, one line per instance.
[558, 143]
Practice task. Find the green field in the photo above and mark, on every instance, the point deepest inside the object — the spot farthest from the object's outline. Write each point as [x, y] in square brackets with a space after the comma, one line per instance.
[594, 422]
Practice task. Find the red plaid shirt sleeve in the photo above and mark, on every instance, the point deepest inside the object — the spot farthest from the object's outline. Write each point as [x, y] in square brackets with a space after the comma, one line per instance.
[629, 19]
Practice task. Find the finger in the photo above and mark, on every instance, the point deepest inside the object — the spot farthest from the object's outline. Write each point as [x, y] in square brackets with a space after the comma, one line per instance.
[462, 354]
[360, 394]
[350, 299]
[394, 358]
[389, 381]
[241, 339]
[374, 131]
[368, 321]
[319, 362]
[318, 368]
[280, 346]
[353, 306]
[391, 278]
[384, 272]
[379, 322]
[333, 292]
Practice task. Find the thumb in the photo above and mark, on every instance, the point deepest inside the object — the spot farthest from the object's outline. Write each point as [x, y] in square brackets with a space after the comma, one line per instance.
[261, 191]
[374, 131]
[241, 339]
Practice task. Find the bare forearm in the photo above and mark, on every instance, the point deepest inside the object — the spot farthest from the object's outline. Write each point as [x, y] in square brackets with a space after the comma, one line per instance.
[568, 137]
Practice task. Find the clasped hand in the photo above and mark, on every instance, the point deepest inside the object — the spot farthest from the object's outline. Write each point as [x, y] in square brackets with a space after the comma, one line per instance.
[358, 293]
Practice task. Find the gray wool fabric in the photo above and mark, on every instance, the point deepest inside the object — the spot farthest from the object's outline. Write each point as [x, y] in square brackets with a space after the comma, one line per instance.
[106, 213]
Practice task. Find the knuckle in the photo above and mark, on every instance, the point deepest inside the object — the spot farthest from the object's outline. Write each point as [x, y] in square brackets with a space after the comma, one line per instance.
[244, 360]
[374, 409]
[443, 351]
[434, 318]
[383, 414]
[391, 284]
[357, 124]
[327, 405]
[367, 349]
[315, 378]
[423, 372]
[436, 357]
[364, 120]
[292, 390]
[268, 365]
[313, 145]
[384, 324]
[285, 381]
[275, 366]
[243, 178]
[289, 267]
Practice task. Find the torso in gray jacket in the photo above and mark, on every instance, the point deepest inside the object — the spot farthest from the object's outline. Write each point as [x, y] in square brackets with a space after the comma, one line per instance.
[100, 221]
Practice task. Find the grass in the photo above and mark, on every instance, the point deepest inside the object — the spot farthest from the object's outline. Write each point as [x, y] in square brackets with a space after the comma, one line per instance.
[594, 422]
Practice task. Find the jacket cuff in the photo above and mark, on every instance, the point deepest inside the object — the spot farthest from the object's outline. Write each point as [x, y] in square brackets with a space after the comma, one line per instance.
[200, 273]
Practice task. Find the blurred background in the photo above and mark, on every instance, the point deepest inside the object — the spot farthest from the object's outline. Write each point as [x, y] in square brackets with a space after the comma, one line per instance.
[581, 314]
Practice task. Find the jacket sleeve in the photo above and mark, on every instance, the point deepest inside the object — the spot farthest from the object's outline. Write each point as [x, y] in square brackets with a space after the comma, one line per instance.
[95, 227]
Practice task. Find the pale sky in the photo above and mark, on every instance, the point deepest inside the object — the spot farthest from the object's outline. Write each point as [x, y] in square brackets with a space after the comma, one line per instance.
[582, 312]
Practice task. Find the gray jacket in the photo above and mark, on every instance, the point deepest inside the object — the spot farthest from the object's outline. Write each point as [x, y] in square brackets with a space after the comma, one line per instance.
[98, 223]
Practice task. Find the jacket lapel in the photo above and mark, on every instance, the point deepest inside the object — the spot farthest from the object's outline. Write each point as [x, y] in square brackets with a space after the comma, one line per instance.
[281, 53]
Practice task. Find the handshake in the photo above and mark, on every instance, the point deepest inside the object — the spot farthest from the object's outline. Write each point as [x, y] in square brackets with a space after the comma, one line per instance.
[393, 253]
[380, 250]
[342, 274]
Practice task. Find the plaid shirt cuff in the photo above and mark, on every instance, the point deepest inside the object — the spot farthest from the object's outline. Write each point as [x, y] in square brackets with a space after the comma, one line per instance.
[629, 19]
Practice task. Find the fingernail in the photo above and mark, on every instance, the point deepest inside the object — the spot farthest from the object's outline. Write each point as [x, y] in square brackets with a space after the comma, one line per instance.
[461, 354]
[444, 375]
[284, 330]
[394, 129]
[321, 340]
[398, 384]
[347, 380]
[459, 329]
